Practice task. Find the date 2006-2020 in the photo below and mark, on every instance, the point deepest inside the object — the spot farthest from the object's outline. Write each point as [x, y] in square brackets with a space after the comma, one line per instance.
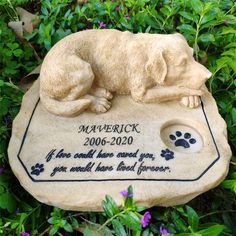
[111, 141]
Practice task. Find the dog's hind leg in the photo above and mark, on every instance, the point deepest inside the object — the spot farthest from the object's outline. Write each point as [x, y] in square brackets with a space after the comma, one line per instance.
[72, 93]
[84, 89]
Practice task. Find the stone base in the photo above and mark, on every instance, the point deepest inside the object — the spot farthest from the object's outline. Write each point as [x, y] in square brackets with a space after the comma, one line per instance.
[168, 153]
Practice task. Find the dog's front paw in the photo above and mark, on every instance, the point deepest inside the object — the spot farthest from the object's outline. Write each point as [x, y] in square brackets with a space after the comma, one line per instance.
[100, 105]
[101, 93]
[190, 101]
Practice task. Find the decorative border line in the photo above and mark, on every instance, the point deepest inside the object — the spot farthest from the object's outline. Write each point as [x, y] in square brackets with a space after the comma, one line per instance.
[132, 179]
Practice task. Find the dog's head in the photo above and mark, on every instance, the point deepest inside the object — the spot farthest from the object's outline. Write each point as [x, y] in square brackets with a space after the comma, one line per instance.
[171, 62]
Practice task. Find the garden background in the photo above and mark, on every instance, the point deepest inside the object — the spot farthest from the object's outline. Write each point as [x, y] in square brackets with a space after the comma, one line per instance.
[208, 26]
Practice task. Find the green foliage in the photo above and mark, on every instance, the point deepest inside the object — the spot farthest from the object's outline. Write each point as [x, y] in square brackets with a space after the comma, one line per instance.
[208, 26]
[230, 183]
[58, 222]
[15, 59]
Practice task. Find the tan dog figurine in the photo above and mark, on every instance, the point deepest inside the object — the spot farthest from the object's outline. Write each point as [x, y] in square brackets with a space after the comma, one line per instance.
[83, 70]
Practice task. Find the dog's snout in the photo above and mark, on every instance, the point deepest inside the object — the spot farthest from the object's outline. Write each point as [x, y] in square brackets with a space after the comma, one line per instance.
[203, 72]
[208, 75]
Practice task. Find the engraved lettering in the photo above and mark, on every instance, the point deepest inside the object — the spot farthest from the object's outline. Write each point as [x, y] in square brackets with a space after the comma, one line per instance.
[102, 168]
[58, 169]
[50, 155]
[123, 167]
[87, 168]
[89, 154]
[143, 168]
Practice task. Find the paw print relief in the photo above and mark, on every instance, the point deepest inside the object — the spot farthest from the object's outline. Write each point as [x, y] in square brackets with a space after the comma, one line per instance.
[167, 154]
[182, 140]
[37, 169]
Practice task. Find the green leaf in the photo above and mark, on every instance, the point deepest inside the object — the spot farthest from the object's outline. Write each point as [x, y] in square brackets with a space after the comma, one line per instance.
[193, 219]
[68, 228]
[228, 30]
[118, 228]
[229, 184]
[185, 28]
[232, 65]
[23, 217]
[75, 223]
[109, 206]
[18, 52]
[53, 230]
[107, 209]
[206, 38]
[7, 201]
[230, 52]
[140, 208]
[146, 232]
[214, 230]
[233, 175]
[126, 25]
[166, 10]
[188, 15]
[197, 6]
[131, 220]
[13, 45]
[54, 220]
[231, 45]
[129, 200]
[233, 114]
[222, 62]
[179, 223]
[208, 17]
[149, 21]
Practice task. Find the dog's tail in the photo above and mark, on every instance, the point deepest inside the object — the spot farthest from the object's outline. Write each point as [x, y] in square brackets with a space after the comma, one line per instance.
[65, 108]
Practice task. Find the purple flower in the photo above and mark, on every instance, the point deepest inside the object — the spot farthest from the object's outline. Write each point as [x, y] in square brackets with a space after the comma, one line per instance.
[101, 24]
[127, 17]
[125, 193]
[226, 22]
[1, 169]
[164, 232]
[145, 219]
[118, 8]
[24, 234]
[17, 211]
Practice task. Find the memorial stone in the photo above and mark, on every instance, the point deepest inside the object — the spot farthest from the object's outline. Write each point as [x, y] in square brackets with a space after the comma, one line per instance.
[167, 151]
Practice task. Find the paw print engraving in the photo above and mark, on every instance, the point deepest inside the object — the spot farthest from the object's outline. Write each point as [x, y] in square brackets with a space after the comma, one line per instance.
[167, 154]
[37, 169]
[181, 140]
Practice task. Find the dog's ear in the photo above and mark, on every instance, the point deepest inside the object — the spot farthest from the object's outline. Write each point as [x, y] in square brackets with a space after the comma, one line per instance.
[156, 67]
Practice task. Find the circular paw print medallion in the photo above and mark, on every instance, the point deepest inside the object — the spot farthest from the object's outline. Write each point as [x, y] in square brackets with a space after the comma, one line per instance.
[182, 140]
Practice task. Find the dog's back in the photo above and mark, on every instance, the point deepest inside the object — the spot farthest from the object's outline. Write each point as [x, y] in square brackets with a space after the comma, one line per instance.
[113, 55]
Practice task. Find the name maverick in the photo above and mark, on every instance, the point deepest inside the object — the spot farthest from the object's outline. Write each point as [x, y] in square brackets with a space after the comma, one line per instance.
[116, 128]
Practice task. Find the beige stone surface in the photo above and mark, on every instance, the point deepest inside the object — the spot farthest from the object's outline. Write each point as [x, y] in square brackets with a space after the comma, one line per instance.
[84, 69]
[130, 136]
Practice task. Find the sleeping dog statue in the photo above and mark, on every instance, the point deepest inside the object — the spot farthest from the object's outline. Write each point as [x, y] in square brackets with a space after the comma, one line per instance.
[83, 70]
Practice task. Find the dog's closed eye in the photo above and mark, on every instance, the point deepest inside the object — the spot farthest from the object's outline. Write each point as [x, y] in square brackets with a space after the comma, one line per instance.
[182, 62]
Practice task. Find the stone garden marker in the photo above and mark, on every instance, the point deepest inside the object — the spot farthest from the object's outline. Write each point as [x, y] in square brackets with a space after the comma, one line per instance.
[72, 143]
